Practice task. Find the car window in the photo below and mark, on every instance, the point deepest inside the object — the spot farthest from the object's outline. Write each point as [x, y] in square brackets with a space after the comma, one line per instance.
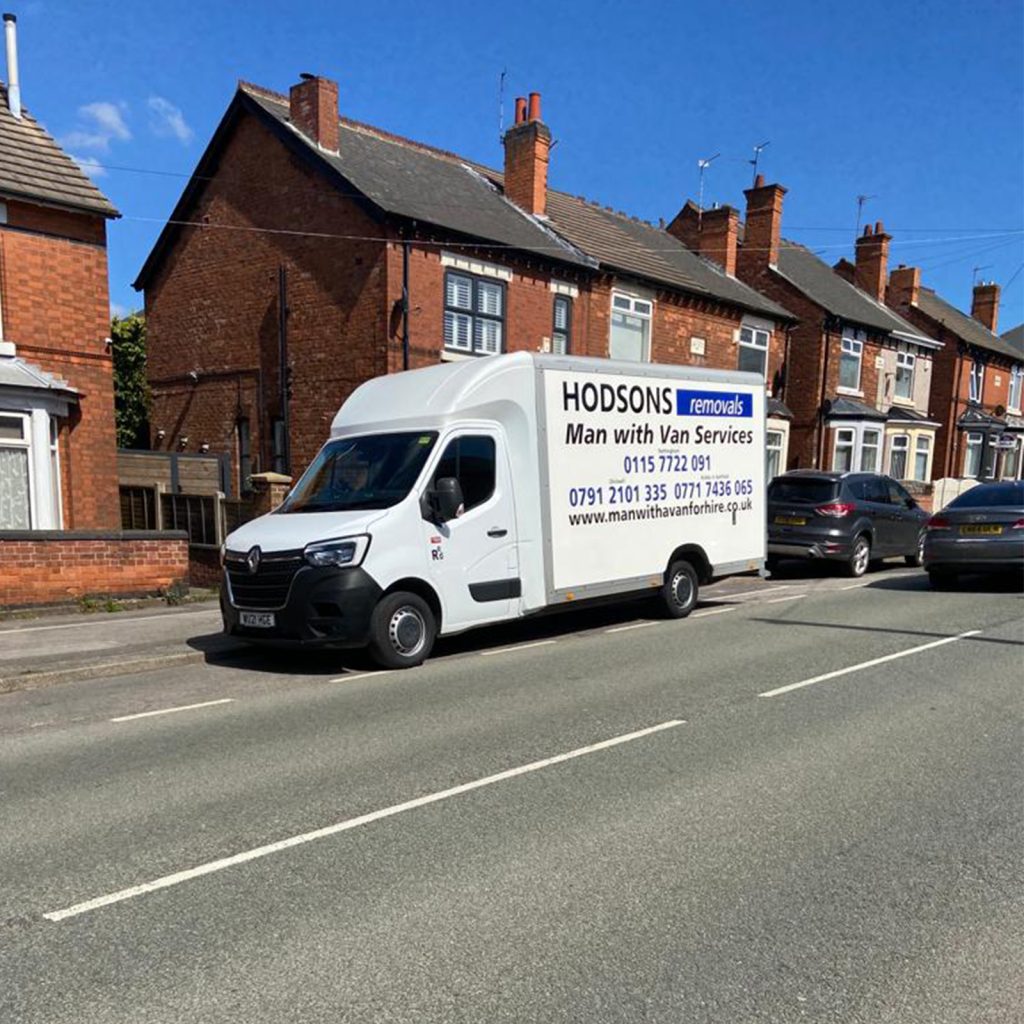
[1006, 495]
[897, 495]
[857, 489]
[471, 460]
[875, 490]
[803, 490]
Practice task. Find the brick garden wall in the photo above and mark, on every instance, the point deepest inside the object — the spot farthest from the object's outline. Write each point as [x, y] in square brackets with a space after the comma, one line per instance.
[49, 567]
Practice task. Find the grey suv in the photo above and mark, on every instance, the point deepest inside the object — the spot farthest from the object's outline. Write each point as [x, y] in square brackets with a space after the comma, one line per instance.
[853, 518]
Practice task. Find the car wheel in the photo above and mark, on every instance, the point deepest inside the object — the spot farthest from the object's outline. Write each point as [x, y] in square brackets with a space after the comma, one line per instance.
[771, 565]
[941, 579]
[402, 631]
[679, 591]
[860, 557]
[916, 560]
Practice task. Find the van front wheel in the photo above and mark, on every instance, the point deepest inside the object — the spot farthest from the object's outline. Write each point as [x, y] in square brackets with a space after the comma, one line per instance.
[402, 631]
[679, 591]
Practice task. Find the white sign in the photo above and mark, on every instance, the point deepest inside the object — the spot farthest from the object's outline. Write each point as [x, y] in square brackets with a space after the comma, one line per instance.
[640, 465]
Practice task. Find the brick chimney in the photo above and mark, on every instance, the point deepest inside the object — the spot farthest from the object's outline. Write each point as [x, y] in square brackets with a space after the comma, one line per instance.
[527, 144]
[985, 304]
[313, 109]
[763, 227]
[872, 261]
[684, 226]
[904, 287]
[719, 230]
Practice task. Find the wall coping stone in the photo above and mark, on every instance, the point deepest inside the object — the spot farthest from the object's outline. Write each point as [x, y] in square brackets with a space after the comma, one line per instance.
[73, 535]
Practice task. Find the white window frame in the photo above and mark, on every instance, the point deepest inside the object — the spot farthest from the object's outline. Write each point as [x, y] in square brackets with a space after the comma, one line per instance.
[755, 339]
[974, 445]
[55, 481]
[876, 448]
[851, 347]
[899, 443]
[905, 363]
[636, 305]
[774, 444]
[561, 338]
[1009, 468]
[1013, 395]
[922, 448]
[25, 444]
[850, 445]
[977, 381]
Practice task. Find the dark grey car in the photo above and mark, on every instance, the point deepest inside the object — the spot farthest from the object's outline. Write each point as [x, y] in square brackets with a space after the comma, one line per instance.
[852, 518]
[980, 531]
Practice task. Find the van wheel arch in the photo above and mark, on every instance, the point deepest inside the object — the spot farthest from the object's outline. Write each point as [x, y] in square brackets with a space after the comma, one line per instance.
[421, 588]
[696, 556]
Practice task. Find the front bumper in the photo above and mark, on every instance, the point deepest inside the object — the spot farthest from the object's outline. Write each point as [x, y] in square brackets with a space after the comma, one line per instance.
[326, 607]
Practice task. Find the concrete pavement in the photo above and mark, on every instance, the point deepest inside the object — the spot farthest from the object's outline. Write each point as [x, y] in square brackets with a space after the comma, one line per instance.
[846, 851]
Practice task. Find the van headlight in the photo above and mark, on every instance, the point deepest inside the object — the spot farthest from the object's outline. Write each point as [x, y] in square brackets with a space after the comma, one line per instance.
[344, 551]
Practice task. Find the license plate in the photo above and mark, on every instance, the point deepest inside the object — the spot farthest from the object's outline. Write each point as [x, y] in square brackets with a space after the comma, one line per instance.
[981, 531]
[790, 521]
[259, 620]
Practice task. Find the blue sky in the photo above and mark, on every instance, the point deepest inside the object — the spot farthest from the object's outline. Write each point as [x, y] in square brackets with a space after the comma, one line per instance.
[917, 104]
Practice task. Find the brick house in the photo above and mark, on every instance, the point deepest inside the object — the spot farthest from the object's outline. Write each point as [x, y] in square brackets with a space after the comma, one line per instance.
[858, 376]
[57, 440]
[978, 380]
[310, 252]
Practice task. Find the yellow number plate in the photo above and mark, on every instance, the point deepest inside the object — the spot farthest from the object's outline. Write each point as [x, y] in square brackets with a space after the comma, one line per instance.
[980, 531]
[790, 521]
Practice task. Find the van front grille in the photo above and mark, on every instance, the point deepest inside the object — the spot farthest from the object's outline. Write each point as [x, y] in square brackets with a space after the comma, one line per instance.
[268, 587]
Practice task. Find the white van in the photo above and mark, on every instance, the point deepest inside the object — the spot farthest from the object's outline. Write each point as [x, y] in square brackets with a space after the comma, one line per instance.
[489, 489]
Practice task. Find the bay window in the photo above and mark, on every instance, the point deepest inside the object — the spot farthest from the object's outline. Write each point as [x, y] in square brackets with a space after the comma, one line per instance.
[15, 472]
[630, 336]
[773, 449]
[898, 450]
[842, 459]
[922, 447]
[870, 443]
[972, 455]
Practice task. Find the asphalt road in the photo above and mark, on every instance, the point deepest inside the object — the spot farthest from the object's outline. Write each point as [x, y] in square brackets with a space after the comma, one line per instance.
[601, 818]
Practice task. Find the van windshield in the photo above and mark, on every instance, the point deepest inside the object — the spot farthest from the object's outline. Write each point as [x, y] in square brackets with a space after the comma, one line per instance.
[375, 471]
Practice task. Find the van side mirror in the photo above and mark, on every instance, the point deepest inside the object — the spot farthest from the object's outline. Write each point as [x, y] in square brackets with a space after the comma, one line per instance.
[445, 500]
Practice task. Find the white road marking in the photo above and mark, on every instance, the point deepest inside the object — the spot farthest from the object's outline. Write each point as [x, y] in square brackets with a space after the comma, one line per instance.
[517, 647]
[362, 675]
[171, 711]
[791, 597]
[344, 826]
[113, 618]
[854, 586]
[712, 611]
[744, 593]
[632, 625]
[869, 664]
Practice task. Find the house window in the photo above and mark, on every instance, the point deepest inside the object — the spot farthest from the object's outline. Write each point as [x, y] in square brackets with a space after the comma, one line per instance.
[1011, 461]
[842, 460]
[905, 374]
[773, 447]
[870, 442]
[922, 447]
[977, 380]
[15, 479]
[972, 456]
[849, 361]
[474, 314]
[562, 327]
[1016, 382]
[55, 472]
[898, 456]
[754, 351]
[630, 337]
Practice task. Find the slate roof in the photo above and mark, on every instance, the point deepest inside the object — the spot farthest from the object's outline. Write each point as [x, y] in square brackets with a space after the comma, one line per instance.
[33, 166]
[1015, 338]
[902, 414]
[820, 283]
[850, 408]
[964, 326]
[432, 186]
[779, 409]
[16, 373]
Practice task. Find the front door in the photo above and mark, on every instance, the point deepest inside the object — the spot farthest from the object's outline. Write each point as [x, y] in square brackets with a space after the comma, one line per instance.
[474, 559]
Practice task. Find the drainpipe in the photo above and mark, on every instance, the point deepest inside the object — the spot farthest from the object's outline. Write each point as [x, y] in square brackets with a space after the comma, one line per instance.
[13, 79]
[952, 449]
[819, 438]
[282, 336]
[405, 303]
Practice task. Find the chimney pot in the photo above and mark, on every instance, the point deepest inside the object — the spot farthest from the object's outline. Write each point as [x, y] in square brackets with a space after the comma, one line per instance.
[871, 261]
[535, 106]
[879, 229]
[520, 109]
[759, 181]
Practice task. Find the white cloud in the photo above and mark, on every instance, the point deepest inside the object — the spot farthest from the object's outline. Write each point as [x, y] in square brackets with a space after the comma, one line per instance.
[98, 124]
[167, 120]
[118, 310]
[90, 165]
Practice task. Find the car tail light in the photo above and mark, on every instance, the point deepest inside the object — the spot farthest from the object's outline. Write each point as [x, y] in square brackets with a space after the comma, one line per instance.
[938, 523]
[836, 509]
[1019, 525]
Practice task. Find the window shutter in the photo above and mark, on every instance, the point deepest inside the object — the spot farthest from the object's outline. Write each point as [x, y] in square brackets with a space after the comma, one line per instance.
[489, 298]
[487, 338]
[458, 291]
[456, 331]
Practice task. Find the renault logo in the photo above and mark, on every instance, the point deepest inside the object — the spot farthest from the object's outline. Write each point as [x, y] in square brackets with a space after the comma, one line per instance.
[252, 560]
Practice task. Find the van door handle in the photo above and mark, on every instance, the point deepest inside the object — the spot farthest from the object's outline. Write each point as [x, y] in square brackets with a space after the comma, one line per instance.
[496, 531]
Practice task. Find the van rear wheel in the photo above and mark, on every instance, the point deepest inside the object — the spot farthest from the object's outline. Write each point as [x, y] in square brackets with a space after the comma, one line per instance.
[402, 631]
[679, 591]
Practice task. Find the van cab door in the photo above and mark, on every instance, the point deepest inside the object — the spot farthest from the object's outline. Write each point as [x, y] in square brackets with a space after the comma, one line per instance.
[473, 557]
